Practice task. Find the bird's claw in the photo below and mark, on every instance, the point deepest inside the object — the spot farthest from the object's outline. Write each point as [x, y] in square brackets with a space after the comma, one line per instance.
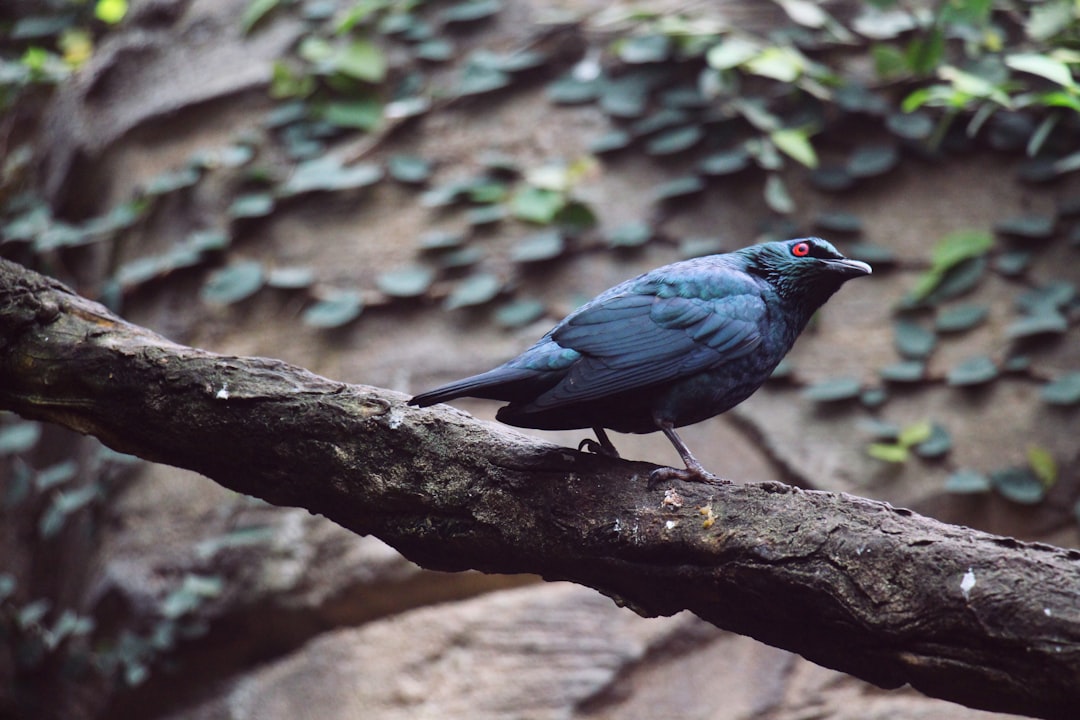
[596, 448]
[698, 475]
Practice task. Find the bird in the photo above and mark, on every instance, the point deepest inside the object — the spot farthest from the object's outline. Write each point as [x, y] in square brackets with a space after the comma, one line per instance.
[668, 348]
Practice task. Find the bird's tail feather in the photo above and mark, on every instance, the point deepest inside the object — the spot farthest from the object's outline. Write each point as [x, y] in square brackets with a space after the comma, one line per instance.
[502, 383]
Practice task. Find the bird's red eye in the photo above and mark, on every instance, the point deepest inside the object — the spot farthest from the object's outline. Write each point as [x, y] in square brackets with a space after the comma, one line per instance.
[800, 249]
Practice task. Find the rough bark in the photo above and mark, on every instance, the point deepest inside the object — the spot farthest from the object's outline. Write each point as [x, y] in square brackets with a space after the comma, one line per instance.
[852, 584]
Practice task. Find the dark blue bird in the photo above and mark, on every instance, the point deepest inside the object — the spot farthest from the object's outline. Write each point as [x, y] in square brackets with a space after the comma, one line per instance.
[671, 347]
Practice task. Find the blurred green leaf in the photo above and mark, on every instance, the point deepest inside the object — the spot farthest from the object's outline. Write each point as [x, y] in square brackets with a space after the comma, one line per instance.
[795, 143]
[233, 283]
[110, 12]
[972, 371]
[539, 247]
[360, 59]
[834, 390]
[407, 282]
[912, 340]
[1042, 463]
[18, 437]
[1019, 485]
[361, 114]
[965, 481]
[537, 205]
[474, 290]
[888, 452]
[1065, 390]
[915, 433]
[334, 310]
[255, 11]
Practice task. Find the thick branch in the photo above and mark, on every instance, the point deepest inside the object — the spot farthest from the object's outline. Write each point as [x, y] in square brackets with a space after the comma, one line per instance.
[853, 584]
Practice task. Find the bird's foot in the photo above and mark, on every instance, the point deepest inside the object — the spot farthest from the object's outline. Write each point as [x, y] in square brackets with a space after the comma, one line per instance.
[690, 474]
[598, 448]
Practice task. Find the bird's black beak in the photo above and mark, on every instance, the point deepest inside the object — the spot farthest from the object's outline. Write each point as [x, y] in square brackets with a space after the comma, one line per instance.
[849, 267]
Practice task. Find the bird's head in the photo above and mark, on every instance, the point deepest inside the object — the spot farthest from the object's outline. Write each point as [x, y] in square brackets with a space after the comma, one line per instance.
[806, 271]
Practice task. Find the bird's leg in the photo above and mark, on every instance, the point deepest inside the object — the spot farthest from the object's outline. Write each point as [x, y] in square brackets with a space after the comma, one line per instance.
[694, 472]
[603, 447]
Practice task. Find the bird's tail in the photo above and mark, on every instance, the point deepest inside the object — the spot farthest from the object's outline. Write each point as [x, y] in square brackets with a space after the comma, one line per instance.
[502, 383]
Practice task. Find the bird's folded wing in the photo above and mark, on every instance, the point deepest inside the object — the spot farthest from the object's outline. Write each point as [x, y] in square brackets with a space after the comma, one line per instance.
[634, 340]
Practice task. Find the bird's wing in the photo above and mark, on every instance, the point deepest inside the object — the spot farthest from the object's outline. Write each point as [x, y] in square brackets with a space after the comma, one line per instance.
[637, 339]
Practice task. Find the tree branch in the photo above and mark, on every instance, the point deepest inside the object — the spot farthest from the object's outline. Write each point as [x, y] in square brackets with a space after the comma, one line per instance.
[852, 584]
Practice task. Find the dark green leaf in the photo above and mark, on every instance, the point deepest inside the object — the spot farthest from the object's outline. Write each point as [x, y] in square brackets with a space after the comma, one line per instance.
[172, 181]
[678, 188]
[838, 222]
[912, 340]
[575, 218]
[630, 234]
[537, 205]
[662, 119]
[831, 178]
[957, 280]
[1020, 485]
[1017, 364]
[327, 174]
[1013, 262]
[290, 278]
[408, 282]
[477, 79]
[441, 240]
[910, 126]
[539, 247]
[363, 114]
[435, 50]
[54, 475]
[972, 371]
[777, 196]
[569, 90]
[961, 317]
[727, 162]
[873, 397]
[471, 11]
[675, 141]
[519, 313]
[692, 247]
[872, 160]
[610, 142]
[834, 390]
[938, 444]
[208, 240]
[485, 215]
[252, 205]
[1050, 297]
[334, 310]
[234, 283]
[474, 290]
[1048, 322]
[965, 482]
[18, 437]
[1028, 227]
[409, 168]
[1064, 390]
[871, 253]
[624, 97]
[645, 49]
[906, 371]
[462, 257]
[879, 429]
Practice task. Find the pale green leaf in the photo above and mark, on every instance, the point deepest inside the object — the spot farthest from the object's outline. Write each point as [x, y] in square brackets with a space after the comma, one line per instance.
[795, 143]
